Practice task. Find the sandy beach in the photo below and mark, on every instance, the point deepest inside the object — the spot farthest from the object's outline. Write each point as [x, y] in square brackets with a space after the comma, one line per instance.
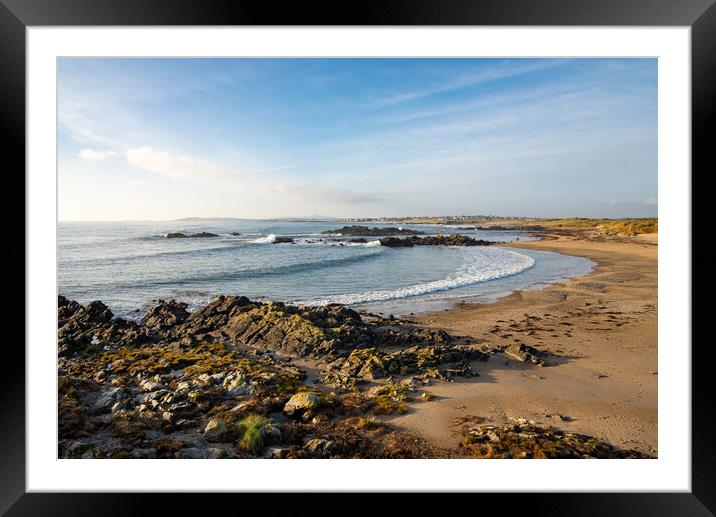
[602, 328]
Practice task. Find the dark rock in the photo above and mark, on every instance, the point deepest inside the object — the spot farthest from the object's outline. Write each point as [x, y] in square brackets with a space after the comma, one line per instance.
[165, 315]
[368, 364]
[283, 240]
[319, 448]
[94, 314]
[299, 331]
[66, 308]
[89, 328]
[535, 441]
[216, 314]
[373, 232]
[434, 240]
[526, 353]
[301, 403]
[180, 235]
[394, 242]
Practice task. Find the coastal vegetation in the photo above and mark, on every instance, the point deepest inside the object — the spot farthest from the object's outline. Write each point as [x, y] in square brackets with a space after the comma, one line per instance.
[603, 225]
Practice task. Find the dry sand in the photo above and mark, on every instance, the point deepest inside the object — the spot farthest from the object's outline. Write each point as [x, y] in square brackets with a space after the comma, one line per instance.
[603, 327]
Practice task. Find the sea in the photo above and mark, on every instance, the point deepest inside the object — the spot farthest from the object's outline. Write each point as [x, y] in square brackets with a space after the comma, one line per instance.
[129, 265]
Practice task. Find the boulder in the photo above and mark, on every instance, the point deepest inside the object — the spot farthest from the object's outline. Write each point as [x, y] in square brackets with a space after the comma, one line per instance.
[148, 385]
[106, 400]
[236, 384]
[275, 452]
[150, 453]
[319, 447]
[165, 314]
[192, 453]
[78, 449]
[271, 434]
[526, 353]
[302, 402]
[215, 429]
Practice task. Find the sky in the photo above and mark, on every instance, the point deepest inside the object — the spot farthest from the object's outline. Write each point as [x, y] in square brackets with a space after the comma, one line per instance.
[159, 139]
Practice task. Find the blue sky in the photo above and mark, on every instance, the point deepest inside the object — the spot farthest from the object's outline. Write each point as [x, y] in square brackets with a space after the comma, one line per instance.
[171, 138]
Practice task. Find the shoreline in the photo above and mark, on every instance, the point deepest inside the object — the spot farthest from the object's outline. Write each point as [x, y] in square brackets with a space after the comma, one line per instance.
[418, 305]
[565, 371]
[607, 385]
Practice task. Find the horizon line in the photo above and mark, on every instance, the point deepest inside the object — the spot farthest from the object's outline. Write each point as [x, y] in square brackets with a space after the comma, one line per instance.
[371, 218]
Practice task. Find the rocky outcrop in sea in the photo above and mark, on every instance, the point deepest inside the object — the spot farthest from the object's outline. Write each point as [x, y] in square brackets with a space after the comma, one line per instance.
[200, 235]
[365, 231]
[455, 239]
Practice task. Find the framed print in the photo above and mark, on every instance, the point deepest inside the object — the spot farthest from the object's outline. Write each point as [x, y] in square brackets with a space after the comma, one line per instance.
[337, 252]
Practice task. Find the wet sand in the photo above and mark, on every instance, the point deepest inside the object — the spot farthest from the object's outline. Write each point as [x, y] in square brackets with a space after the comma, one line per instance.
[602, 328]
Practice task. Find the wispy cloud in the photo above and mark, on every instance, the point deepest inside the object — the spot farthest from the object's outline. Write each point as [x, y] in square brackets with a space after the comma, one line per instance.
[95, 155]
[485, 75]
[173, 166]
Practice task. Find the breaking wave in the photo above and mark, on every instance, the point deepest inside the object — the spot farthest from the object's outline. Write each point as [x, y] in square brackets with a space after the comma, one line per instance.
[481, 265]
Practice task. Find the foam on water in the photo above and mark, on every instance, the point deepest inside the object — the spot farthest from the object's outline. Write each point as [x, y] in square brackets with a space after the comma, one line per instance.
[481, 265]
[335, 242]
[269, 239]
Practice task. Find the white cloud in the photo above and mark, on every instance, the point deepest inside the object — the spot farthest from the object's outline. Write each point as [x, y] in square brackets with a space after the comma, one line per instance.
[94, 155]
[651, 201]
[173, 166]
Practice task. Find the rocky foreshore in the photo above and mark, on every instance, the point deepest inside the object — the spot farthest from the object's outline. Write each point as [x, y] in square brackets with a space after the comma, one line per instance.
[220, 382]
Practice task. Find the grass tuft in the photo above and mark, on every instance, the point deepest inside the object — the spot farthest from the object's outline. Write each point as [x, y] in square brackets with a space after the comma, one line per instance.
[248, 430]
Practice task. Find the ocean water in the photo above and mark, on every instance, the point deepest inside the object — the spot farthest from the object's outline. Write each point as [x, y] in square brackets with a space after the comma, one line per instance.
[127, 265]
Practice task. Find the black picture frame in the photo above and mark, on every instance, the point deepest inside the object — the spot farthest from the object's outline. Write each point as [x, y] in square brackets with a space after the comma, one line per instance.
[17, 15]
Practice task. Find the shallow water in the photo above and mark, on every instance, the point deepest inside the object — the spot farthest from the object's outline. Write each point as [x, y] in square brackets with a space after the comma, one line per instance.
[129, 264]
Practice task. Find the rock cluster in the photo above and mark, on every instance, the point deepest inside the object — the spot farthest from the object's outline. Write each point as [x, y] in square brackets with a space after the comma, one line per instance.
[455, 239]
[536, 441]
[200, 235]
[369, 364]
[85, 329]
[299, 331]
[365, 231]
[214, 401]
